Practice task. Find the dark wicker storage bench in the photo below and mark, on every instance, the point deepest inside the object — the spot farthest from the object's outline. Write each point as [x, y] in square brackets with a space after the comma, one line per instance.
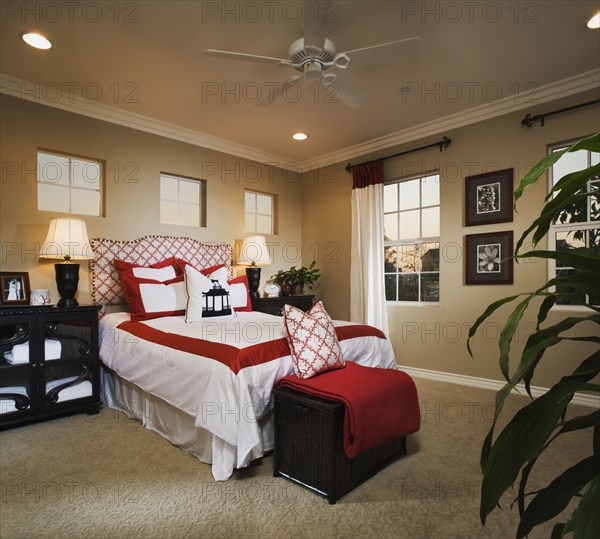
[309, 447]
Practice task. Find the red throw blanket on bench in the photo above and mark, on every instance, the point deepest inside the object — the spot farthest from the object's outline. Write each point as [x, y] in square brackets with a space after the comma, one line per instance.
[381, 404]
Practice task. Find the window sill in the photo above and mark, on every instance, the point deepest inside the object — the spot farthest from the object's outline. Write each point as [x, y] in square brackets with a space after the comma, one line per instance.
[413, 303]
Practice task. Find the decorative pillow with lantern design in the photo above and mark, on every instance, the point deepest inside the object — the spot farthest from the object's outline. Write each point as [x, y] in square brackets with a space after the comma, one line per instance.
[312, 340]
[209, 296]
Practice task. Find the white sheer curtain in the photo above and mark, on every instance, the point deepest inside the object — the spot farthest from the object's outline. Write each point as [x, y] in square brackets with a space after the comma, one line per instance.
[367, 287]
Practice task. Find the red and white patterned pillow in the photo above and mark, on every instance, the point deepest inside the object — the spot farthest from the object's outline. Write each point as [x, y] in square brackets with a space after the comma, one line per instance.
[312, 340]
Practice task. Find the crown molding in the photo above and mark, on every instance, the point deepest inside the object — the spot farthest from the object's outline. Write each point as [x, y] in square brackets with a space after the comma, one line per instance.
[550, 92]
[36, 93]
[33, 92]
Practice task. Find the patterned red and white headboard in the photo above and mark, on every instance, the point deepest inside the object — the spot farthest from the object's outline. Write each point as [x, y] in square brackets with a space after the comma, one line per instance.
[106, 285]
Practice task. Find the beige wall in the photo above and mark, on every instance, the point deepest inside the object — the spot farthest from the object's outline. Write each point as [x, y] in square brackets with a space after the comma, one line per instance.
[132, 206]
[434, 337]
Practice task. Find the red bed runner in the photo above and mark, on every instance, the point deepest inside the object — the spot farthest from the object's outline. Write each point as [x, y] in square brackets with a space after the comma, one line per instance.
[381, 404]
[236, 358]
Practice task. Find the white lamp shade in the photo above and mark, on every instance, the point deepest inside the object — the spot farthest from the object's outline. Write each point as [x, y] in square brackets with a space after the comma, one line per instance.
[67, 237]
[254, 252]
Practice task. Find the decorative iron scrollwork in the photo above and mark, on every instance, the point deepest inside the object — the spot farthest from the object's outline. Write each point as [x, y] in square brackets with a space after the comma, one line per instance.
[21, 335]
[52, 395]
[85, 347]
[21, 401]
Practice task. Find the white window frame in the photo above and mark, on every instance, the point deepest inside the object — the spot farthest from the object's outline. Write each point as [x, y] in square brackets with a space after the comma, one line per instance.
[200, 204]
[254, 214]
[416, 241]
[558, 227]
[69, 189]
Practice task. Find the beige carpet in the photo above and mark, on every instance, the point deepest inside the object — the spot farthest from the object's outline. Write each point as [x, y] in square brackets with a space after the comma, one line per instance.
[108, 477]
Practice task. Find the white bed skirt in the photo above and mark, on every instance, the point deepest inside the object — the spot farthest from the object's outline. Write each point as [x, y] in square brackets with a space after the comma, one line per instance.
[176, 426]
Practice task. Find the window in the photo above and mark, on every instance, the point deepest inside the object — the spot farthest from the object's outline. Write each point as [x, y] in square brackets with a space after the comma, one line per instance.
[579, 225]
[260, 212]
[182, 200]
[412, 239]
[69, 184]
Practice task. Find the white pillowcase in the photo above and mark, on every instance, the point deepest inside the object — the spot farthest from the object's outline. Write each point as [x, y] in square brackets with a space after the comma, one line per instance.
[198, 286]
[156, 274]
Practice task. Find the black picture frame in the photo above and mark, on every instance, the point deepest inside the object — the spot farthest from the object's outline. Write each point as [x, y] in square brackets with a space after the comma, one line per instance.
[494, 247]
[489, 198]
[14, 288]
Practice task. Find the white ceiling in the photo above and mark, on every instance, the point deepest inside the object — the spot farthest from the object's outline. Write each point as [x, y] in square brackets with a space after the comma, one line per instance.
[146, 58]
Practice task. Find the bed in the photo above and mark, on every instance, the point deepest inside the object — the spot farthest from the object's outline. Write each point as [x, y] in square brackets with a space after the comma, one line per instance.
[205, 386]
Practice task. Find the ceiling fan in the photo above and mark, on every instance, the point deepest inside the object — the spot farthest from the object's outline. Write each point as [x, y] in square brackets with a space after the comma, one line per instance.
[313, 55]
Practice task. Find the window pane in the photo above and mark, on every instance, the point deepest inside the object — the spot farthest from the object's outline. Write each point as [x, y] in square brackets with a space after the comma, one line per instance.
[189, 191]
[408, 288]
[53, 169]
[569, 162]
[389, 259]
[85, 202]
[390, 227]
[264, 205]
[409, 194]
[430, 218]
[409, 225]
[430, 257]
[390, 197]
[250, 202]
[430, 190]
[408, 257]
[85, 174]
[169, 213]
[594, 240]
[577, 297]
[390, 287]
[430, 287]
[263, 224]
[595, 158]
[250, 222]
[189, 215]
[53, 198]
[169, 187]
[595, 201]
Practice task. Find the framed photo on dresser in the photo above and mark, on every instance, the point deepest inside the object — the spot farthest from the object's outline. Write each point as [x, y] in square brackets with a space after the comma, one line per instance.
[14, 288]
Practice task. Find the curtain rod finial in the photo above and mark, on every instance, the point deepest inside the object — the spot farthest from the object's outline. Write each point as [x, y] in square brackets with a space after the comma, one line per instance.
[348, 167]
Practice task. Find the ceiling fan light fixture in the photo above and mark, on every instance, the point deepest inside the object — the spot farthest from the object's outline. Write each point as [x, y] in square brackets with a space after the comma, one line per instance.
[594, 22]
[312, 70]
[36, 40]
[299, 136]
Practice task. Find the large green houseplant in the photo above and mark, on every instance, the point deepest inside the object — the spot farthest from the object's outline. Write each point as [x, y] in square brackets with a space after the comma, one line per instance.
[525, 438]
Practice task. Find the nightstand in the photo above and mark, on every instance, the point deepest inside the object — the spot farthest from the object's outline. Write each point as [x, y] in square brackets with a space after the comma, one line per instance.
[49, 363]
[275, 305]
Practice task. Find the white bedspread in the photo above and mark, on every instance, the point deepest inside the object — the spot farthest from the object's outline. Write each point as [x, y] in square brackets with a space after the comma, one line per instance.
[224, 402]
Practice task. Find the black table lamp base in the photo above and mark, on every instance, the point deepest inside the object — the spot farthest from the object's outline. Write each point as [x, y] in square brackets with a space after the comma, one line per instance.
[67, 280]
[253, 274]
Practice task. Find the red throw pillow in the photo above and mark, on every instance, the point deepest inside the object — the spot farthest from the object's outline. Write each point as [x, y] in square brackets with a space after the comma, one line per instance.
[154, 291]
[312, 340]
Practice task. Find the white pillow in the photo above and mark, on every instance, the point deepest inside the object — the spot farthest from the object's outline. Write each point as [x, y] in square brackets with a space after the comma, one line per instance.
[208, 297]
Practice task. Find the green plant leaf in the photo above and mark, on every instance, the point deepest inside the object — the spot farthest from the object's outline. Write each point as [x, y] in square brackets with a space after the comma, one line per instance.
[521, 440]
[586, 523]
[553, 499]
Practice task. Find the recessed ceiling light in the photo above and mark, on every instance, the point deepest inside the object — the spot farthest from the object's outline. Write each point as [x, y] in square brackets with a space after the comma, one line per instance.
[594, 22]
[299, 136]
[36, 40]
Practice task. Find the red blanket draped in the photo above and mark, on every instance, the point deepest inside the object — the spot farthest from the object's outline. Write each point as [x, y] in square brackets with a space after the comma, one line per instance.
[381, 404]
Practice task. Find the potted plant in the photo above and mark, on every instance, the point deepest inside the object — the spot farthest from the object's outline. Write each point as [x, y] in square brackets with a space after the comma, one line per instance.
[525, 438]
[292, 281]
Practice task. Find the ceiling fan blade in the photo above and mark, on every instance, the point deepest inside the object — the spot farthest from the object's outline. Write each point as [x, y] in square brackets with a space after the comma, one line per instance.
[377, 53]
[278, 91]
[314, 32]
[243, 56]
[343, 91]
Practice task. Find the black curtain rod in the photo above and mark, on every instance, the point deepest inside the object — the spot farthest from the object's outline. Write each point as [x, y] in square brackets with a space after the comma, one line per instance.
[444, 143]
[529, 119]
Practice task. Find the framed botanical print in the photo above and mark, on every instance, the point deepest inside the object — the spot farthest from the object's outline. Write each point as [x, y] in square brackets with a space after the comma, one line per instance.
[489, 198]
[488, 258]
